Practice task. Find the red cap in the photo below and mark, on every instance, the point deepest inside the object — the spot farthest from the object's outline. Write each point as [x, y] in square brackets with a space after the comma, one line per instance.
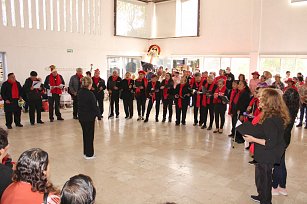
[256, 73]
[142, 72]
[96, 70]
[290, 80]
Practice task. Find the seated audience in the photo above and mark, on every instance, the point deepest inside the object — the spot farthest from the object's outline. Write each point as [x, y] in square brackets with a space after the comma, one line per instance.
[6, 170]
[78, 189]
[31, 182]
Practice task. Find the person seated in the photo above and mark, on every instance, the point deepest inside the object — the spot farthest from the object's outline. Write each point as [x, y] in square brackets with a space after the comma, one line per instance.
[31, 182]
[6, 170]
[78, 189]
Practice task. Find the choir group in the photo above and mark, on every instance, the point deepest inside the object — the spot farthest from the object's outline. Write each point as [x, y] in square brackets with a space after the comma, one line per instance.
[262, 102]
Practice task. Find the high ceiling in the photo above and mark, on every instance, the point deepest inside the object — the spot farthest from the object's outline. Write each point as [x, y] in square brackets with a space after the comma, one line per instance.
[155, 1]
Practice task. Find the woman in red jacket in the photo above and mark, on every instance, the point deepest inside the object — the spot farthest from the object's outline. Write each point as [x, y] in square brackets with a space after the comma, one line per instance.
[220, 106]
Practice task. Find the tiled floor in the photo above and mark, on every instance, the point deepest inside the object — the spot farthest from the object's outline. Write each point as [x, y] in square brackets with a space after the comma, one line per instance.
[141, 163]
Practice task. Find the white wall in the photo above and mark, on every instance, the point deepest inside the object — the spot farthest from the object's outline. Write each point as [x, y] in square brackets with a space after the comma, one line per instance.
[284, 27]
[166, 19]
[225, 28]
[31, 49]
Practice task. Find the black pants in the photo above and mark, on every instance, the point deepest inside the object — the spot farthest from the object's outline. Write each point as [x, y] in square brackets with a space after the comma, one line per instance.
[201, 112]
[141, 105]
[114, 102]
[263, 179]
[128, 106]
[149, 107]
[234, 120]
[35, 105]
[303, 110]
[280, 174]
[181, 113]
[88, 128]
[168, 104]
[75, 106]
[54, 104]
[9, 117]
[209, 108]
[99, 99]
[219, 113]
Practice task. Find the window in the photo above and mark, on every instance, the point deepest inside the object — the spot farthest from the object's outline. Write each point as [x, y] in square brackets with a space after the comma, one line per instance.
[225, 62]
[270, 64]
[22, 21]
[82, 13]
[70, 15]
[51, 15]
[212, 64]
[240, 66]
[189, 17]
[37, 13]
[58, 15]
[13, 14]
[30, 13]
[44, 15]
[4, 18]
[77, 15]
[65, 15]
[123, 65]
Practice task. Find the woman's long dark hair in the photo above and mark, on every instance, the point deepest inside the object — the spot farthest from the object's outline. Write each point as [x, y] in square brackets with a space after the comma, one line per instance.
[31, 168]
[246, 86]
[292, 100]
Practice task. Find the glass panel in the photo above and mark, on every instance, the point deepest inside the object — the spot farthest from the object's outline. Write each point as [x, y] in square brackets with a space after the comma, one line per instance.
[51, 15]
[37, 13]
[225, 62]
[270, 64]
[44, 15]
[30, 13]
[287, 64]
[212, 64]
[13, 15]
[240, 66]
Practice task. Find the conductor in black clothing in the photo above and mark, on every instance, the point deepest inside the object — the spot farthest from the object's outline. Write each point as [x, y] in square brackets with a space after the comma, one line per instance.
[34, 96]
[88, 111]
[113, 86]
[128, 95]
[98, 88]
[11, 92]
[154, 95]
[268, 136]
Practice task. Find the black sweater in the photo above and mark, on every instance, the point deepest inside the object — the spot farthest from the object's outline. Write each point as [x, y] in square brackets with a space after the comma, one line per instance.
[87, 105]
[272, 130]
[6, 178]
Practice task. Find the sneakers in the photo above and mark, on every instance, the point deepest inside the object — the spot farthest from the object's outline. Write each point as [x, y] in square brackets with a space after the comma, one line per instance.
[89, 158]
[255, 198]
[275, 191]
[282, 191]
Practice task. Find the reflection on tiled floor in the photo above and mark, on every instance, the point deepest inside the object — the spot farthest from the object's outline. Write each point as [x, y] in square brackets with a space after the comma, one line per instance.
[141, 163]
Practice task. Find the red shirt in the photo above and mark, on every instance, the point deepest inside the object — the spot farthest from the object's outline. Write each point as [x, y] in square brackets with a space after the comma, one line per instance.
[21, 193]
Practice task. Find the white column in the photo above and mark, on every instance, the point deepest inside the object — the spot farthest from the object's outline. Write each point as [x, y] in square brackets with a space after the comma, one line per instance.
[48, 15]
[68, 15]
[1, 20]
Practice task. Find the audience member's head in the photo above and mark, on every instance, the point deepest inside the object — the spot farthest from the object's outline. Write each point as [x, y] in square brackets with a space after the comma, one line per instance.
[256, 75]
[277, 78]
[78, 189]
[89, 74]
[33, 167]
[79, 71]
[4, 144]
[241, 77]
[128, 75]
[11, 77]
[235, 84]
[197, 76]
[262, 78]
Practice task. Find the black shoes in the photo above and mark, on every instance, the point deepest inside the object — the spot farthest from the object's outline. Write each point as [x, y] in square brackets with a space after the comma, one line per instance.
[19, 125]
[170, 120]
[60, 118]
[146, 120]
[255, 198]
[126, 117]
[177, 124]
[75, 117]
[40, 122]
[157, 120]
[231, 135]
[111, 116]
[117, 116]
[299, 125]
[194, 124]
[9, 127]
[305, 127]
[51, 120]
[253, 162]
[163, 121]
[204, 127]
[183, 123]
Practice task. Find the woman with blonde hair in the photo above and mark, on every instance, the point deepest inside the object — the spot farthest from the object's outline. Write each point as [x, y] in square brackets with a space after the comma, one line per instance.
[268, 136]
[88, 111]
